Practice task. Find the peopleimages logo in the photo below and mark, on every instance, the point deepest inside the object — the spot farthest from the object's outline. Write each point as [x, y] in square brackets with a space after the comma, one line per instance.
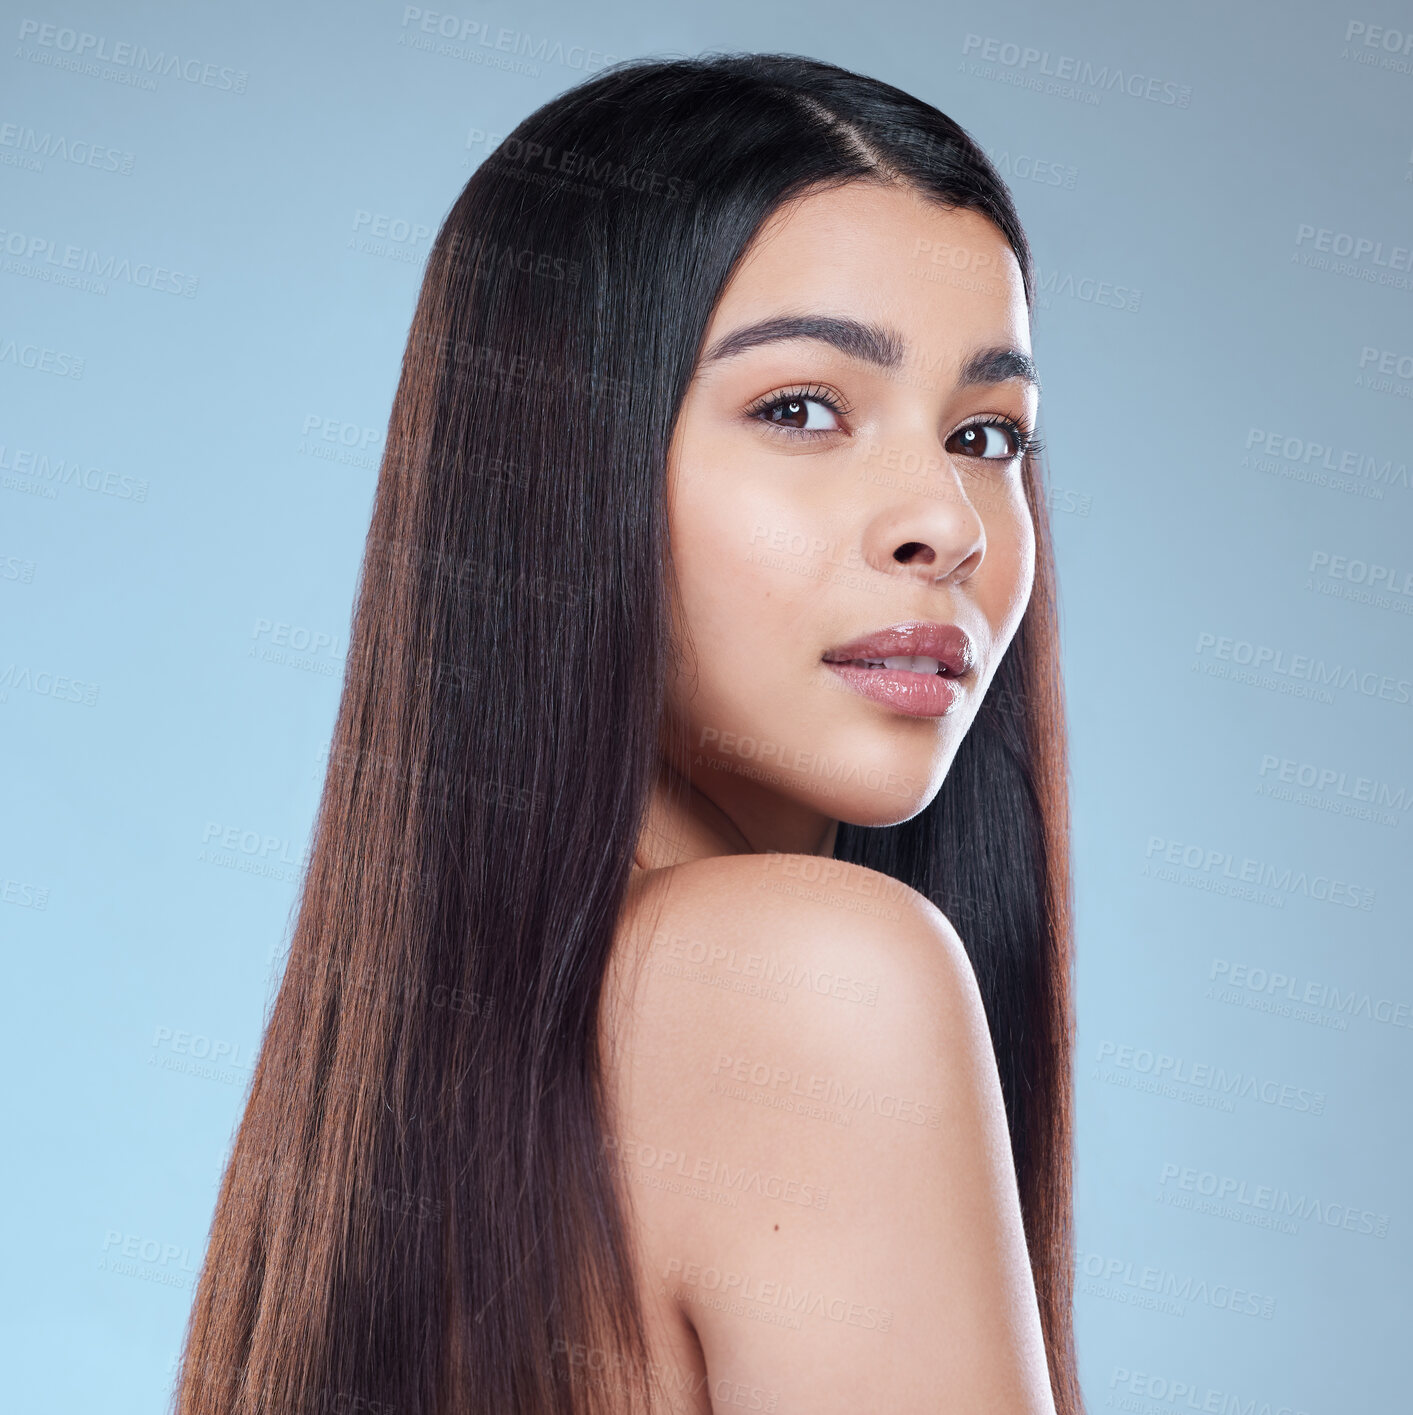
[1390, 363]
[1302, 459]
[1036, 64]
[796, 1302]
[1264, 658]
[43, 360]
[1360, 581]
[1049, 283]
[1025, 168]
[847, 1096]
[44, 258]
[80, 50]
[1385, 813]
[1395, 579]
[31, 149]
[1259, 873]
[1331, 779]
[1186, 1395]
[61, 471]
[1342, 1003]
[1179, 1071]
[1125, 1281]
[460, 37]
[1355, 246]
[1270, 1200]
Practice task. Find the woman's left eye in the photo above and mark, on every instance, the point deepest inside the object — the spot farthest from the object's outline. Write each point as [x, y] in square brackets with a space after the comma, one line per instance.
[995, 441]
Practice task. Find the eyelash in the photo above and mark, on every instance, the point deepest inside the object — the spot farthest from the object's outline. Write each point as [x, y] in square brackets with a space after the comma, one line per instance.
[1027, 443]
[812, 392]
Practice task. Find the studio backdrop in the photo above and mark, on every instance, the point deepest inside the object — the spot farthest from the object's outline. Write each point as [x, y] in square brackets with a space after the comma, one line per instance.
[213, 227]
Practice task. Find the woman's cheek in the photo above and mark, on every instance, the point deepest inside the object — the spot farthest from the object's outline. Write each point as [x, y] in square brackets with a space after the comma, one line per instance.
[1009, 566]
[726, 589]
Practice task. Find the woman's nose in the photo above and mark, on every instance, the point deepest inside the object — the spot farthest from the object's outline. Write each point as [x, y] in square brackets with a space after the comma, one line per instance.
[934, 537]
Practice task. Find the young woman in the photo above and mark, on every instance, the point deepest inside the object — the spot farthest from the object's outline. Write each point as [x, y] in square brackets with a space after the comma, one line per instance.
[677, 1016]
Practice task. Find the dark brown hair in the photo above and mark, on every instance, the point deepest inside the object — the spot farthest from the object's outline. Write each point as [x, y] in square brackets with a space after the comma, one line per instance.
[415, 1216]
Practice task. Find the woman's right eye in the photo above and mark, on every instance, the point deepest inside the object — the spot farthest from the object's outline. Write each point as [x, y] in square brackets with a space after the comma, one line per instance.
[800, 412]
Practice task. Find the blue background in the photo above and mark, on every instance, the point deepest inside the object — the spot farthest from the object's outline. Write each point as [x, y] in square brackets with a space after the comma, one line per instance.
[185, 483]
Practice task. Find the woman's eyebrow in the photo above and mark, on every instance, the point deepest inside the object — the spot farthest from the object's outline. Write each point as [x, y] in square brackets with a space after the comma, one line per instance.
[873, 343]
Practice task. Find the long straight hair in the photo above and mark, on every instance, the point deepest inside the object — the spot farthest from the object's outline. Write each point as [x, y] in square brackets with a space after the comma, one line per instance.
[416, 1215]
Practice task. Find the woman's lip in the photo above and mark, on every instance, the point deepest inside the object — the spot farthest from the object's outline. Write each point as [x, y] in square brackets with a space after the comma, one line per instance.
[947, 643]
[915, 694]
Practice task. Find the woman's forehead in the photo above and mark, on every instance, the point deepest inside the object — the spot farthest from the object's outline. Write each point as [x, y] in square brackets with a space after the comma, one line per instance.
[882, 253]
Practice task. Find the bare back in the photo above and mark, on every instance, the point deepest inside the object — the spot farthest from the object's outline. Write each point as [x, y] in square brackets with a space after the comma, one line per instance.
[810, 1123]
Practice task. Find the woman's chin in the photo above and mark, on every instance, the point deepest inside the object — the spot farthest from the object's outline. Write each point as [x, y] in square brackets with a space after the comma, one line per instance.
[876, 812]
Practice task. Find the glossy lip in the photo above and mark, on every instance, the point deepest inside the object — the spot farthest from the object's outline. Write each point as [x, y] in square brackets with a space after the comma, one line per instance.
[907, 692]
[949, 644]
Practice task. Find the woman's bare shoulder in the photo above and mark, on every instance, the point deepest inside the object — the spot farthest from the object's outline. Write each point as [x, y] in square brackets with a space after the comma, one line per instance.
[813, 1130]
[788, 899]
[820, 948]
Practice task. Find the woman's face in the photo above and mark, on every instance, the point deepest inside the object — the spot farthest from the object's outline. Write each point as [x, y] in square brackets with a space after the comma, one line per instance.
[861, 474]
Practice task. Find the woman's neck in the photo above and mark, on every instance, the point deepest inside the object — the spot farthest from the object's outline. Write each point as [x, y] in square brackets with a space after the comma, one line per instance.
[683, 823]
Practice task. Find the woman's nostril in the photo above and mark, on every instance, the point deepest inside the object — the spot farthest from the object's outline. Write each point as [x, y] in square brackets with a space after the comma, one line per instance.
[915, 550]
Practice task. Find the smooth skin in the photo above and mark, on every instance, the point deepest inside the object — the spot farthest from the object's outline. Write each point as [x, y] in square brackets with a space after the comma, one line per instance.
[807, 1109]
